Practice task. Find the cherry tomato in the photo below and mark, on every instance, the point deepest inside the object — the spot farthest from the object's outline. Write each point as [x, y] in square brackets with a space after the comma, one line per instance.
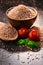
[23, 32]
[34, 35]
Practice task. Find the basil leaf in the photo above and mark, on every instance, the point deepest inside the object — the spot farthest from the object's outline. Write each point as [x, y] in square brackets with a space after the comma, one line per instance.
[33, 44]
[21, 42]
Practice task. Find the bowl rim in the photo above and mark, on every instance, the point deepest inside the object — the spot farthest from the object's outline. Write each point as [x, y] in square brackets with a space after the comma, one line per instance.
[36, 13]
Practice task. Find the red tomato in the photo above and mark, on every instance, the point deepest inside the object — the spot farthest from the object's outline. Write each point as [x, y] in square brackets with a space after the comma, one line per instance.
[23, 32]
[34, 35]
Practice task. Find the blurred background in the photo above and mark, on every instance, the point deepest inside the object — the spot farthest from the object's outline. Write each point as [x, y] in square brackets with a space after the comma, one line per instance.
[4, 4]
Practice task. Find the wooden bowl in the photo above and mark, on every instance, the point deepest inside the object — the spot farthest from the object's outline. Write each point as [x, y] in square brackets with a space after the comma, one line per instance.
[22, 23]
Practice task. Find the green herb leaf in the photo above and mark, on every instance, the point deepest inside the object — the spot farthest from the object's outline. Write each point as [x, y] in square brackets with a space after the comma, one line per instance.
[33, 44]
[29, 43]
[26, 41]
[21, 42]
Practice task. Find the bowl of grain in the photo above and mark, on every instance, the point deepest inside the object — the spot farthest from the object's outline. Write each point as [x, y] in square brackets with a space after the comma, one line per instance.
[21, 16]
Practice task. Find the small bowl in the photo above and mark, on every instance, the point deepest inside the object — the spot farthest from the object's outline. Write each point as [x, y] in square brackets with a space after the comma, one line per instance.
[22, 23]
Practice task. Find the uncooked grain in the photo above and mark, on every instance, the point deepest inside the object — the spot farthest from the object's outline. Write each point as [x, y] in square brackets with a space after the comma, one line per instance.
[7, 32]
[21, 12]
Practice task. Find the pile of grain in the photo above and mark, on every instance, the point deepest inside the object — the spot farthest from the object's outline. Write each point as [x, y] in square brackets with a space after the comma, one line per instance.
[21, 12]
[7, 32]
